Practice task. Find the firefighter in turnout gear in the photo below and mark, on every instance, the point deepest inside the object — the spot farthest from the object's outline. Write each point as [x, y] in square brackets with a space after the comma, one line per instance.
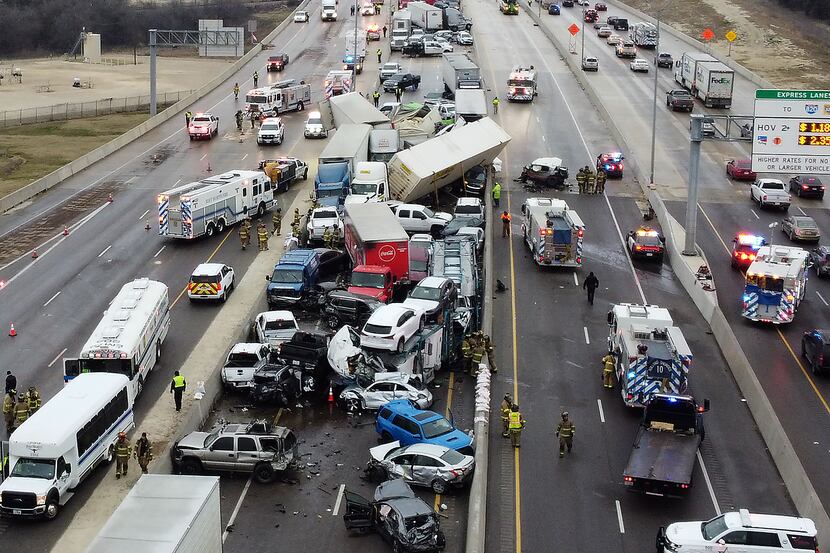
[276, 220]
[244, 236]
[565, 432]
[297, 216]
[467, 353]
[21, 410]
[608, 363]
[335, 237]
[327, 237]
[8, 411]
[123, 449]
[34, 399]
[488, 349]
[601, 178]
[262, 236]
[478, 352]
[515, 423]
[506, 403]
[580, 180]
[143, 452]
[590, 180]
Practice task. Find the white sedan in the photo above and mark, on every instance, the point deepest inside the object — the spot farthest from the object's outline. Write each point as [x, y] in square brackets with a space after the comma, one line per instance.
[301, 17]
[639, 64]
[464, 38]
[390, 326]
[387, 387]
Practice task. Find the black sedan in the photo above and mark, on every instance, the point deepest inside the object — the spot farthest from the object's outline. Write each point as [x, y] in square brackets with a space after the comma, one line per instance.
[332, 262]
[807, 186]
[815, 348]
[820, 260]
[402, 81]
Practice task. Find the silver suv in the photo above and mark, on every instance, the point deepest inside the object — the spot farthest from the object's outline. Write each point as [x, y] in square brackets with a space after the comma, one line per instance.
[256, 447]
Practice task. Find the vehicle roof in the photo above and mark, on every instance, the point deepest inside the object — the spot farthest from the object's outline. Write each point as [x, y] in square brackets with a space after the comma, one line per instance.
[822, 333]
[778, 261]
[548, 161]
[433, 282]
[70, 409]
[390, 313]
[394, 377]
[295, 257]
[809, 178]
[246, 347]
[803, 219]
[745, 519]
[208, 269]
[272, 120]
[405, 407]
[346, 294]
[469, 201]
[375, 222]
[283, 315]
[779, 181]
[428, 449]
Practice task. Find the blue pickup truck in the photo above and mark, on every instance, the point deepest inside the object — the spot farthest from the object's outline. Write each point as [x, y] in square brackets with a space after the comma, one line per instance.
[294, 275]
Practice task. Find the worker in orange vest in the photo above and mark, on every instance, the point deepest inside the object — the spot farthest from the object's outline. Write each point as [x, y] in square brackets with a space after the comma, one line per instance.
[505, 224]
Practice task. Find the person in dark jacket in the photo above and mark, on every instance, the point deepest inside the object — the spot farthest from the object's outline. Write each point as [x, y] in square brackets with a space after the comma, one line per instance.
[11, 382]
[590, 284]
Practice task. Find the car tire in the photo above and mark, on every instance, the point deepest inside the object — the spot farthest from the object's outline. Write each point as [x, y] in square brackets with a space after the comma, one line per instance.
[400, 345]
[264, 473]
[224, 297]
[260, 210]
[300, 106]
[804, 349]
[438, 486]
[353, 405]
[333, 322]
[191, 466]
[109, 457]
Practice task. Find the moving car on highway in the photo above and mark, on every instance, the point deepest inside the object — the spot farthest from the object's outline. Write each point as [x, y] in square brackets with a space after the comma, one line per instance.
[745, 248]
[815, 348]
[301, 16]
[554, 9]
[604, 31]
[770, 192]
[664, 59]
[590, 63]
[626, 49]
[613, 40]
[807, 186]
[740, 169]
[802, 228]
[639, 65]
[679, 99]
[211, 281]
[820, 260]
[611, 163]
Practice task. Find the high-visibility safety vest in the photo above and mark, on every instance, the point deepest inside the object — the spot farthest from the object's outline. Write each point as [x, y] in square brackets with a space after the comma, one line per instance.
[505, 218]
[566, 429]
[514, 420]
[178, 381]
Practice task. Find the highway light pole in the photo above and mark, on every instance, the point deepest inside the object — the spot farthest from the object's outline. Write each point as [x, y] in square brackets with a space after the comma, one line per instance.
[582, 54]
[654, 103]
[354, 52]
[696, 137]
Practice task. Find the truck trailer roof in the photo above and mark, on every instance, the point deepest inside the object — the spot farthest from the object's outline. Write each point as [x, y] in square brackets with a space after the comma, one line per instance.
[375, 222]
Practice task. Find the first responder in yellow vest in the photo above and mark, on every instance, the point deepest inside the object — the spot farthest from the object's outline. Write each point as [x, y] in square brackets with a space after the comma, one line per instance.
[21, 410]
[33, 397]
[608, 363]
[496, 194]
[379, 54]
[565, 432]
[177, 388]
[515, 423]
[8, 411]
[496, 105]
[122, 455]
[376, 97]
[506, 403]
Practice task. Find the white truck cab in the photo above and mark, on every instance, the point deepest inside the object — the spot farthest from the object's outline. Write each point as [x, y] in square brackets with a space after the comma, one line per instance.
[369, 183]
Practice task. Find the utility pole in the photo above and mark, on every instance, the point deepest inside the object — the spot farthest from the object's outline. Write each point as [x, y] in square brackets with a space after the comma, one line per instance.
[654, 104]
[153, 49]
[696, 137]
[582, 55]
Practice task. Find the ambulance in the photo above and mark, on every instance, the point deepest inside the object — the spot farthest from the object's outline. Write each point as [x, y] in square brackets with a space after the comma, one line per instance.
[775, 284]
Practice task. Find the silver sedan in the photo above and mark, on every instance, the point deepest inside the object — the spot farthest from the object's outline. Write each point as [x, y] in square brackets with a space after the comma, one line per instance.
[429, 465]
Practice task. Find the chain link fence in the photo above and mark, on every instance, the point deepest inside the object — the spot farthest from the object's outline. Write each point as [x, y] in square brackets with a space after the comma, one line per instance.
[62, 112]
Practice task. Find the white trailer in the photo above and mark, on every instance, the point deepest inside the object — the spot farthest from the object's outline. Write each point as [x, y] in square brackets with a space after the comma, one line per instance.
[277, 98]
[351, 108]
[349, 144]
[165, 513]
[442, 160]
[209, 206]
[553, 232]
[426, 16]
[685, 70]
[459, 71]
[715, 81]
[470, 104]
[402, 20]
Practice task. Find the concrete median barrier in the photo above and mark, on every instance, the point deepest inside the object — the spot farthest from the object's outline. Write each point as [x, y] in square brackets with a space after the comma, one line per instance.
[61, 174]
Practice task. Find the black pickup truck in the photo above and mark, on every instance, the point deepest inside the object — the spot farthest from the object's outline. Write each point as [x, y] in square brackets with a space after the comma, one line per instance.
[680, 100]
[662, 458]
[305, 355]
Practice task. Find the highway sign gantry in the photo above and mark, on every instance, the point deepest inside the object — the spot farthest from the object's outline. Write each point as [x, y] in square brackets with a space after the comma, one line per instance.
[791, 133]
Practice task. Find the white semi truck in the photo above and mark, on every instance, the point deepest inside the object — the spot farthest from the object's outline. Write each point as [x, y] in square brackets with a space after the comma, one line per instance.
[425, 16]
[207, 207]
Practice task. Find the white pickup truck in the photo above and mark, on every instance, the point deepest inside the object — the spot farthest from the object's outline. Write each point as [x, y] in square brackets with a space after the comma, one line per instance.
[770, 192]
[243, 361]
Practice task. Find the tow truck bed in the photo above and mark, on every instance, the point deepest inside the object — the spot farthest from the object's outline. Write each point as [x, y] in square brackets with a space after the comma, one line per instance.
[662, 462]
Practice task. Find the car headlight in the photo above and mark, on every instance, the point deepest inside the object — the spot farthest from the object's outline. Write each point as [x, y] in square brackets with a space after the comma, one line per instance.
[41, 499]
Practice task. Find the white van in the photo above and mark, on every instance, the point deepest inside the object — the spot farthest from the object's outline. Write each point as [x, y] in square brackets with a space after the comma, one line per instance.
[57, 447]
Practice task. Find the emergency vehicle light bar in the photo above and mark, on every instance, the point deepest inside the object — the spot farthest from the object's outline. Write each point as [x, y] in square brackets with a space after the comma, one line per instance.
[750, 240]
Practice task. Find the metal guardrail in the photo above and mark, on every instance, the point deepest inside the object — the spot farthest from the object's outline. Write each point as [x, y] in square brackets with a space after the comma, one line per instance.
[106, 106]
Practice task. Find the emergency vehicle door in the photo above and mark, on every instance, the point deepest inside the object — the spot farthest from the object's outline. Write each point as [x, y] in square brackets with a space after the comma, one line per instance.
[4, 461]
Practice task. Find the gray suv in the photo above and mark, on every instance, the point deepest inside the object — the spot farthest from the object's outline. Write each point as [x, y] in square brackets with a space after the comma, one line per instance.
[256, 447]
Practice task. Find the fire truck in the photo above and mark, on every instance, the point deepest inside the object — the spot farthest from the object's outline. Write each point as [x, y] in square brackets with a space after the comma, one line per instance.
[553, 232]
[651, 353]
[521, 85]
[277, 98]
[337, 83]
[775, 284]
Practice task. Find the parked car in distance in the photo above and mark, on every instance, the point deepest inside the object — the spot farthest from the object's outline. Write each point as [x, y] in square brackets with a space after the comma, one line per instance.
[385, 388]
[815, 348]
[267, 450]
[343, 307]
[820, 260]
[664, 59]
[799, 227]
[639, 64]
[554, 9]
[400, 420]
[807, 186]
[427, 465]
[590, 63]
[740, 169]
[433, 295]
[769, 192]
[390, 326]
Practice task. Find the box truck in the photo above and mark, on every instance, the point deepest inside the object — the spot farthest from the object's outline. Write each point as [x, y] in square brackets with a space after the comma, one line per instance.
[428, 18]
[714, 82]
[459, 71]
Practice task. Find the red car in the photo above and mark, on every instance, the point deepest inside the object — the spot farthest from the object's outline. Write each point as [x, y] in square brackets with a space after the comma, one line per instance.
[600, 7]
[740, 169]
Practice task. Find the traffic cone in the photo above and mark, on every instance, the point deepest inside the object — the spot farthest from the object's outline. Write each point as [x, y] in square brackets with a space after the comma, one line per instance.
[34, 254]
[12, 331]
[331, 392]
[65, 231]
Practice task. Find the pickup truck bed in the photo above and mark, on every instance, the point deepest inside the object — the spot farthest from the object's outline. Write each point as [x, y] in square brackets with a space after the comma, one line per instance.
[660, 462]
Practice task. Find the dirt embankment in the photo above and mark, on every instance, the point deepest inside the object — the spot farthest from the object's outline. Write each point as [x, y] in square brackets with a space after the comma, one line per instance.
[787, 48]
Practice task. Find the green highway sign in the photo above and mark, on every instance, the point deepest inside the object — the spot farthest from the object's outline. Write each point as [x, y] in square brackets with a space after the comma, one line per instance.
[767, 94]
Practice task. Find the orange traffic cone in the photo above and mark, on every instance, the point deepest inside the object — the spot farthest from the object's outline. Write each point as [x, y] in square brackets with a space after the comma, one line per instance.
[12, 331]
[65, 231]
[34, 254]
[331, 392]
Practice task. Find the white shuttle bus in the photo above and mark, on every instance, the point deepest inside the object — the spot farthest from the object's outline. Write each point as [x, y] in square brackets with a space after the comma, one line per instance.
[128, 339]
[58, 446]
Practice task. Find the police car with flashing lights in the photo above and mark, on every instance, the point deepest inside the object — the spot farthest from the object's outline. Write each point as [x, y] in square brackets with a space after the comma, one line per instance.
[611, 163]
[745, 248]
[203, 125]
[645, 242]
